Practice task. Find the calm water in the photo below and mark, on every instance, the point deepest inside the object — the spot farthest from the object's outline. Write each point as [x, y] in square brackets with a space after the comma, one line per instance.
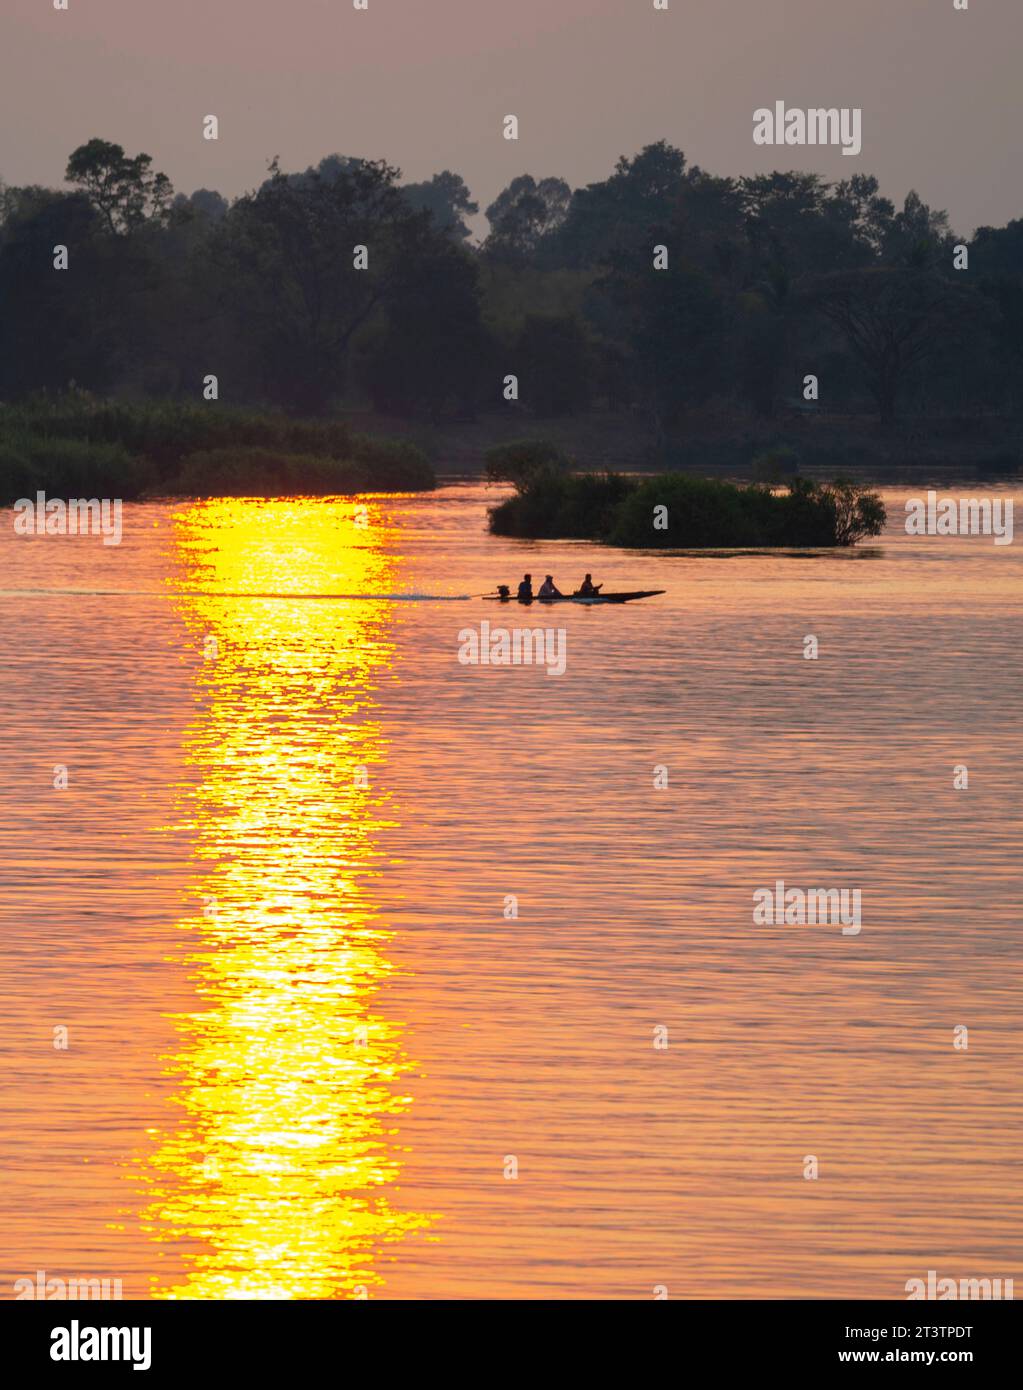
[304, 1040]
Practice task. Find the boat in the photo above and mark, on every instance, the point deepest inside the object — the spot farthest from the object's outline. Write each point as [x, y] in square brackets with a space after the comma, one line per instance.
[589, 599]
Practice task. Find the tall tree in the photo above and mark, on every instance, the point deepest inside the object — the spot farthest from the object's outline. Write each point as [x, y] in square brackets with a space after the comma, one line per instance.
[126, 192]
[296, 282]
[56, 326]
[448, 201]
[640, 193]
[917, 236]
[797, 227]
[430, 356]
[895, 320]
[203, 203]
[524, 213]
[676, 320]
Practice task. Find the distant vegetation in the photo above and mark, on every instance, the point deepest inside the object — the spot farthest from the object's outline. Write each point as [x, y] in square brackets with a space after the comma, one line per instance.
[74, 444]
[263, 473]
[711, 318]
[68, 467]
[552, 503]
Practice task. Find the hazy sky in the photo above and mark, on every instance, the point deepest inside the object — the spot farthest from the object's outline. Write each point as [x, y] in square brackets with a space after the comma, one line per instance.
[426, 84]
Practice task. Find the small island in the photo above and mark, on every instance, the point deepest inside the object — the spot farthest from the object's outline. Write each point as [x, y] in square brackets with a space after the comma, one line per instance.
[674, 511]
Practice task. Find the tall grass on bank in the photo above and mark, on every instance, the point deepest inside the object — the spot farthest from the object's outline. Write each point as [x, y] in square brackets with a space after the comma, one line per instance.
[73, 442]
[701, 513]
[63, 467]
[265, 473]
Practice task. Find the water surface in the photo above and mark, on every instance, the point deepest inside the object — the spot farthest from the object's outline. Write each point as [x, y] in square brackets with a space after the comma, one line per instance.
[306, 1038]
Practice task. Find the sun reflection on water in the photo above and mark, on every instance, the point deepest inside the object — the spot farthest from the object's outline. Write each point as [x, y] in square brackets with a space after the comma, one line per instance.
[276, 1183]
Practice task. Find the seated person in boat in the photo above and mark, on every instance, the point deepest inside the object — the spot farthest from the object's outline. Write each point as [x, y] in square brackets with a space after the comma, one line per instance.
[548, 589]
[526, 588]
[587, 588]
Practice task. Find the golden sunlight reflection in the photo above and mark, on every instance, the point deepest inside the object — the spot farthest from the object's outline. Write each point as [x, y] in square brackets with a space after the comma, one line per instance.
[278, 1182]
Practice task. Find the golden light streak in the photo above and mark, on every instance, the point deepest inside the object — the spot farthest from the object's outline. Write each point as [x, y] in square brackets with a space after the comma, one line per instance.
[276, 1183]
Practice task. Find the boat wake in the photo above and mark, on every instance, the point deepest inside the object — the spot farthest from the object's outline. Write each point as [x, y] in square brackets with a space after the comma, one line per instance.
[224, 593]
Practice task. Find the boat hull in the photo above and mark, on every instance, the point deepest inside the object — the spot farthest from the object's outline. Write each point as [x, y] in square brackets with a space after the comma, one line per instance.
[589, 600]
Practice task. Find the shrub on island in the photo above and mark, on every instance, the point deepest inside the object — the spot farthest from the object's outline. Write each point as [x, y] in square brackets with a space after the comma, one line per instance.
[679, 512]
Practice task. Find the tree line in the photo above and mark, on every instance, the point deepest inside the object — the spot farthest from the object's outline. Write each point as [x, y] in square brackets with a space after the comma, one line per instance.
[654, 291]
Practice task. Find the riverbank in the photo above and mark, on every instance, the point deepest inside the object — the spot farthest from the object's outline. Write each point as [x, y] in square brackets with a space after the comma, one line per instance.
[720, 443]
[75, 444]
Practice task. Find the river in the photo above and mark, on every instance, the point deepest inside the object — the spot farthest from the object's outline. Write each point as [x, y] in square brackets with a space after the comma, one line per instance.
[341, 968]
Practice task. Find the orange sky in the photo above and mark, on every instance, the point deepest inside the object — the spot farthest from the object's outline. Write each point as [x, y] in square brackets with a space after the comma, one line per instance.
[425, 85]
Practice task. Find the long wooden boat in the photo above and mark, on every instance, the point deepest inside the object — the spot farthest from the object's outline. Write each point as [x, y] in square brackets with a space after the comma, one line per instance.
[590, 599]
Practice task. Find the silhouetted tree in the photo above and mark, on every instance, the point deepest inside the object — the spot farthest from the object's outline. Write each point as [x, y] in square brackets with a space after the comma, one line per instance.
[204, 202]
[676, 332]
[895, 320]
[430, 356]
[760, 271]
[797, 226]
[125, 192]
[57, 326]
[618, 212]
[524, 214]
[917, 236]
[288, 258]
[448, 201]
